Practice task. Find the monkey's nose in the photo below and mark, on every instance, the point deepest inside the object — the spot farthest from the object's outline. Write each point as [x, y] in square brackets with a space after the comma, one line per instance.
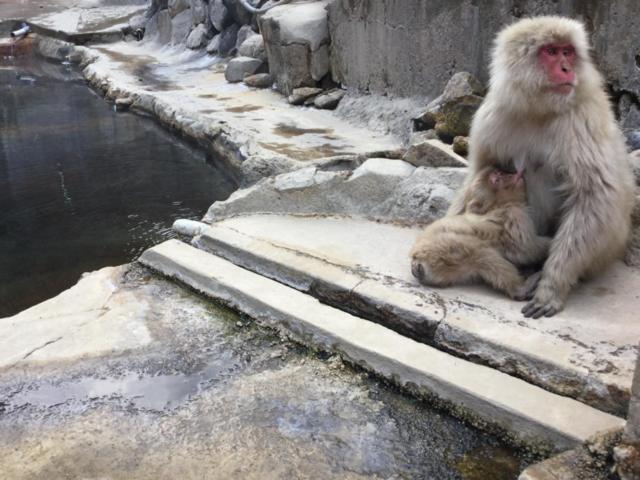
[417, 270]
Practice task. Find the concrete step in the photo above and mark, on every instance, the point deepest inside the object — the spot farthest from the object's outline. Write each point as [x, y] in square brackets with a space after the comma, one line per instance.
[526, 412]
[586, 352]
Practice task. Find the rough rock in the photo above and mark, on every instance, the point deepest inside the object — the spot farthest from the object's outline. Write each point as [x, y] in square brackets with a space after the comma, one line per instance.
[245, 32]
[239, 14]
[433, 153]
[253, 46]
[382, 114]
[451, 113]
[300, 95]
[259, 80]
[214, 44]
[632, 255]
[177, 6]
[379, 189]
[257, 167]
[219, 15]
[635, 164]
[629, 110]
[423, 136]
[159, 28]
[180, 27]
[461, 145]
[633, 139]
[329, 100]
[627, 454]
[189, 228]
[240, 67]
[227, 42]
[198, 37]
[199, 11]
[139, 22]
[123, 103]
[297, 41]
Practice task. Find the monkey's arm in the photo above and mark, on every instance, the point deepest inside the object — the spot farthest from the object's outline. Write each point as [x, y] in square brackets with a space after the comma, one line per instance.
[592, 231]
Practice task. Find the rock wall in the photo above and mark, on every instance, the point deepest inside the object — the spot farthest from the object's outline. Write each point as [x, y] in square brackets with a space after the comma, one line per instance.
[627, 455]
[412, 47]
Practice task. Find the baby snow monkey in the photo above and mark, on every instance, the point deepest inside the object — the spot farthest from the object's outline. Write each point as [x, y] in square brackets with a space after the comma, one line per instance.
[492, 236]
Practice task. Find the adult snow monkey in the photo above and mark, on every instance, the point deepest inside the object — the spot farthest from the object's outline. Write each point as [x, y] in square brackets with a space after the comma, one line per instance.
[547, 116]
[488, 241]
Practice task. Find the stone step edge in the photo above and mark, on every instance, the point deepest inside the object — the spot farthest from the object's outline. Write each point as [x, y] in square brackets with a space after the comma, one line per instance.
[397, 309]
[528, 414]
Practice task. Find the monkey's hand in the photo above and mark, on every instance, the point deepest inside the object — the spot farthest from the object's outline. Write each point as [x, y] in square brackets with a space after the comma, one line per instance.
[546, 302]
[528, 288]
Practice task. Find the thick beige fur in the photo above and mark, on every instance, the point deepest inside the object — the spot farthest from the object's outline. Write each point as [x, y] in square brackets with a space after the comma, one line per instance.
[486, 242]
[578, 174]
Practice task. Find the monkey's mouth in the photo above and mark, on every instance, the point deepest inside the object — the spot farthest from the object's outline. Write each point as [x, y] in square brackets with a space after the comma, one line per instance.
[563, 88]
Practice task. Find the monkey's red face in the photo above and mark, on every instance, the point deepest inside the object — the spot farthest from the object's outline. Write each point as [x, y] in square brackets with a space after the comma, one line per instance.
[557, 61]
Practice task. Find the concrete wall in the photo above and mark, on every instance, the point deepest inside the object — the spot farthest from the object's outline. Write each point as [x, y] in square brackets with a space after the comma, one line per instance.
[412, 47]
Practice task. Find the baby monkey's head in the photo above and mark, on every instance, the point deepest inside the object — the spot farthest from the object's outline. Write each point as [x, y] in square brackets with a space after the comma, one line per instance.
[493, 188]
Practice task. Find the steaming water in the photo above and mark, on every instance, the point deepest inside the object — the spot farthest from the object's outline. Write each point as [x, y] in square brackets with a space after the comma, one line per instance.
[81, 186]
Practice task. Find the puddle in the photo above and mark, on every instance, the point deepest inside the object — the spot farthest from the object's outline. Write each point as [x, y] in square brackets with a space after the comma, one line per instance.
[290, 131]
[311, 153]
[243, 108]
[158, 392]
[143, 67]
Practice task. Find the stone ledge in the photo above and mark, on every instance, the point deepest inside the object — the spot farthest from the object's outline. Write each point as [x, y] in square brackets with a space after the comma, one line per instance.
[529, 413]
[581, 353]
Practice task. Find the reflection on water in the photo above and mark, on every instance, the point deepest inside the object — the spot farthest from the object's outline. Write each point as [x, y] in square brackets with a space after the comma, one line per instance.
[82, 186]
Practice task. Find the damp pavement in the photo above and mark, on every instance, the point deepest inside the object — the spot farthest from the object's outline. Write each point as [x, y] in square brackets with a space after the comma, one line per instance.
[210, 394]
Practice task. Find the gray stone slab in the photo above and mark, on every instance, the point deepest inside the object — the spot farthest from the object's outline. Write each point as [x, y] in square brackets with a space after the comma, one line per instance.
[527, 412]
[92, 318]
[587, 352]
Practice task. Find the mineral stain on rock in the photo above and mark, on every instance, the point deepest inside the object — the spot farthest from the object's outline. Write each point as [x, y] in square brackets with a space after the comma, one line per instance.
[289, 131]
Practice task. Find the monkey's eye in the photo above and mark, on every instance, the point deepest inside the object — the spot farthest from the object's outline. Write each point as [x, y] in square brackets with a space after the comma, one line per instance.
[568, 51]
[553, 51]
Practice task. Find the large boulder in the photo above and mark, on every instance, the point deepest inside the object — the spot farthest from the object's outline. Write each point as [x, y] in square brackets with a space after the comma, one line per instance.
[297, 41]
[199, 11]
[451, 113]
[432, 153]
[240, 14]
[177, 6]
[627, 455]
[219, 15]
[253, 46]
[245, 32]
[228, 38]
[180, 27]
[240, 67]
[329, 100]
[199, 37]
[159, 28]
[259, 80]
[379, 189]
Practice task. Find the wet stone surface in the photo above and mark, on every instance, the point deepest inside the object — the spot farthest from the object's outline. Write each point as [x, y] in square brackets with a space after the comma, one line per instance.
[215, 396]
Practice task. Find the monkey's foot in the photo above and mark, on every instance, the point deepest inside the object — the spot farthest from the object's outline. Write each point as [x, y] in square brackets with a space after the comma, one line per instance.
[539, 307]
[528, 288]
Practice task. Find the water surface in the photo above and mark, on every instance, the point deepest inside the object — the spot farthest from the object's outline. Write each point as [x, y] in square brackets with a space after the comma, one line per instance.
[82, 186]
